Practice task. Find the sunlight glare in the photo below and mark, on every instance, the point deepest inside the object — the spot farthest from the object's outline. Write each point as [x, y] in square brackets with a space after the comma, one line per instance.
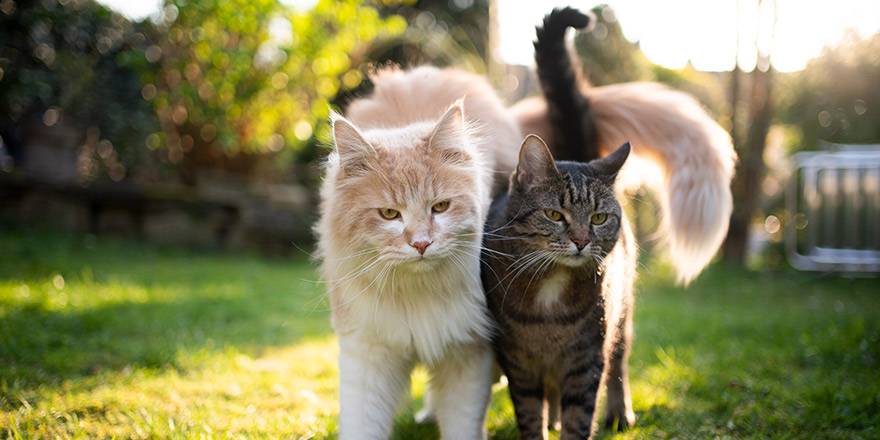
[672, 33]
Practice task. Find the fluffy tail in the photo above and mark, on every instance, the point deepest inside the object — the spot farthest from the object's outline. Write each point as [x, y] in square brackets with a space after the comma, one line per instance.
[678, 150]
[682, 154]
[574, 136]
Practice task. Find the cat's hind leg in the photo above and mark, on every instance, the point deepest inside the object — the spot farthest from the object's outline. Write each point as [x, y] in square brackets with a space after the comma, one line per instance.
[372, 380]
[460, 388]
[618, 409]
[552, 406]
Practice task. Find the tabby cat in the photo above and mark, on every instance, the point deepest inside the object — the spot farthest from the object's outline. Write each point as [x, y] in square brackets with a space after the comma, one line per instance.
[403, 204]
[559, 258]
[558, 274]
[678, 150]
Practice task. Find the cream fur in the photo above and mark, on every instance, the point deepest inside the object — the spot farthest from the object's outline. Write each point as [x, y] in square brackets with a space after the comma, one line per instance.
[678, 151]
[413, 143]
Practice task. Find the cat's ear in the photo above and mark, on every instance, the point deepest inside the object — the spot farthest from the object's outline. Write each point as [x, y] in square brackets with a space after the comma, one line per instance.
[448, 137]
[350, 144]
[535, 162]
[607, 167]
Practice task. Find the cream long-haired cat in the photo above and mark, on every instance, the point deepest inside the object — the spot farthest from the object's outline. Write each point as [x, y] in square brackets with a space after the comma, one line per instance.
[404, 199]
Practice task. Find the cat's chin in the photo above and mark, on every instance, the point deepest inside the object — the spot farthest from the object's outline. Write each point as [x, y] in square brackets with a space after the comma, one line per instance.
[575, 261]
[420, 264]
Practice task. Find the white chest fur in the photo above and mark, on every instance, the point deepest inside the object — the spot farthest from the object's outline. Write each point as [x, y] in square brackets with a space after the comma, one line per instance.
[552, 288]
[423, 313]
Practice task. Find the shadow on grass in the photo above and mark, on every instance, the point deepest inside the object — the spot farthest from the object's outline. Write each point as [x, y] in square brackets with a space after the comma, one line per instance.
[122, 305]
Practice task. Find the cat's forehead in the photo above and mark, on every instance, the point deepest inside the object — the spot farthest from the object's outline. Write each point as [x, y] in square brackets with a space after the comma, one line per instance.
[575, 186]
[414, 179]
[399, 139]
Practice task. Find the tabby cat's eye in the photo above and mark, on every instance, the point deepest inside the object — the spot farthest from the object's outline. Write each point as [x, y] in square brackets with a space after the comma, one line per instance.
[553, 215]
[440, 206]
[388, 213]
[598, 219]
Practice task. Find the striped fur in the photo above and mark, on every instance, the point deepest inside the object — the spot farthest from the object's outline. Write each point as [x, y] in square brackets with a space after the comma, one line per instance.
[560, 291]
[679, 151]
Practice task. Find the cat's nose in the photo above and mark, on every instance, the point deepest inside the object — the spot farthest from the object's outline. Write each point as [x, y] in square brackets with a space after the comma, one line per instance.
[580, 243]
[421, 246]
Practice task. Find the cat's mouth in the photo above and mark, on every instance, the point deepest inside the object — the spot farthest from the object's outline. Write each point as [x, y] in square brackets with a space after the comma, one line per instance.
[419, 263]
[575, 259]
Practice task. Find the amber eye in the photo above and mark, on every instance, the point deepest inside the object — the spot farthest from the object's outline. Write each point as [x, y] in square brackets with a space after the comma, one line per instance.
[440, 206]
[598, 219]
[553, 215]
[388, 213]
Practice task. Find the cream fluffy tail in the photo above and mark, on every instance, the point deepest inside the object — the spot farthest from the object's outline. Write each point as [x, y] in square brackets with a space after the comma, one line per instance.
[680, 153]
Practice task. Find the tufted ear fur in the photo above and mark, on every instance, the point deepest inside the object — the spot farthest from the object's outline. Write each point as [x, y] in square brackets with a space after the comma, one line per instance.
[353, 150]
[607, 167]
[535, 163]
[448, 138]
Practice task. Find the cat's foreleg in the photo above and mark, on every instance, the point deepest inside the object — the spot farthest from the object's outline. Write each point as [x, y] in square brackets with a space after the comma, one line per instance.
[580, 389]
[460, 387]
[527, 395]
[551, 406]
[372, 379]
[618, 409]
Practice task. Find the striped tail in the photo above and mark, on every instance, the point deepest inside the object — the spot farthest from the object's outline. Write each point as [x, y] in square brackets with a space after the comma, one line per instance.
[574, 136]
[678, 151]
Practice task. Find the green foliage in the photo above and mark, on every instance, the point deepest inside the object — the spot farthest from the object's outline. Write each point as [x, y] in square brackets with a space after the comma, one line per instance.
[607, 56]
[836, 98]
[69, 63]
[255, 76]
[440, 32]
[203, 81]
[107, 339]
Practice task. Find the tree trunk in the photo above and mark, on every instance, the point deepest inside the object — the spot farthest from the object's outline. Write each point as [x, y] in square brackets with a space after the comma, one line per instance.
[746, 187]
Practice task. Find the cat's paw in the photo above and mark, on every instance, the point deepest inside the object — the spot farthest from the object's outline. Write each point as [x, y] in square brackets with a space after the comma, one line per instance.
[615, 422]
[426, 415]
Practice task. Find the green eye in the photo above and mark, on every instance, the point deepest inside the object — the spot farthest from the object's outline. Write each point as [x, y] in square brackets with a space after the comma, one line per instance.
[553, 215]
[388, 213]
[598, 219]
[441, 206]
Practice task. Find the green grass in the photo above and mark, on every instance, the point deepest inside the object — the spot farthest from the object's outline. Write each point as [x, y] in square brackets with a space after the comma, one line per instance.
[104, 338]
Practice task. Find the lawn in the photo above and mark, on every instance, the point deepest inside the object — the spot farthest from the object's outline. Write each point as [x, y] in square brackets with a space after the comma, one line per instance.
[104, 338]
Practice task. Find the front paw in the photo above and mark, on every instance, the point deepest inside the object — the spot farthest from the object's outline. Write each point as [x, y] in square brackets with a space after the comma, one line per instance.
[426, 415]
[619, 422]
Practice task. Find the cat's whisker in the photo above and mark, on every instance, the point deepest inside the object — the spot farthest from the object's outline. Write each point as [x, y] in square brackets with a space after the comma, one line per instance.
[351, 279]
[515, 269]
[365, 289]
[490, 252]
[531, 259]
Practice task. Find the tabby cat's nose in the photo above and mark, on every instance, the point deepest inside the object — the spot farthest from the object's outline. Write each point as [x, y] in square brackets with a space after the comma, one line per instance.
[581, 244]
[421, 246]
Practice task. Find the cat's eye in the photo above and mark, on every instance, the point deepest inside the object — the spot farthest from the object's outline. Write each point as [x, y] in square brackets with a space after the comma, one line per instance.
[388, 213]
[598, 219]
[440, 206]
[553, 215]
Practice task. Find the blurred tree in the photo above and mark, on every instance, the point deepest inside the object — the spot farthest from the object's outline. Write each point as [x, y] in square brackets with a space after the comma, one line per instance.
[836, 98]
[750, 169]
[440, 32]
[244, 76]
[69, 64]
[607, 56]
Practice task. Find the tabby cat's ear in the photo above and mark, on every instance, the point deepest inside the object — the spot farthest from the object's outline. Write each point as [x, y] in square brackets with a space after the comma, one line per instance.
[607, 167]
[350, 144]
[448, 137]
[535, 162]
